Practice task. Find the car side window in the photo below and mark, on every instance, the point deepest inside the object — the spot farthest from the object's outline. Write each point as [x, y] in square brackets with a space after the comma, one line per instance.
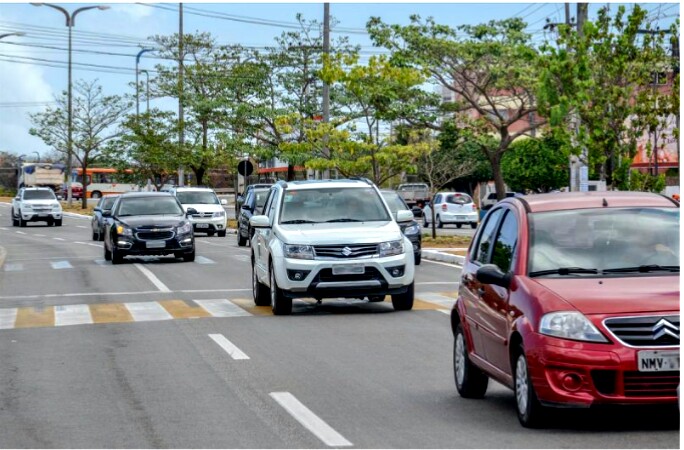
[484, 244]
[438, 198]
[506, 242]
[272, 206]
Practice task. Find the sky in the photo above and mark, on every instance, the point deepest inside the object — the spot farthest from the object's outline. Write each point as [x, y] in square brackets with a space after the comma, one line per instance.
[33, 67]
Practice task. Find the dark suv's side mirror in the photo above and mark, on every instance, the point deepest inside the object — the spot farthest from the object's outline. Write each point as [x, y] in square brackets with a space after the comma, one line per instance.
[491, 274]
[107, 213]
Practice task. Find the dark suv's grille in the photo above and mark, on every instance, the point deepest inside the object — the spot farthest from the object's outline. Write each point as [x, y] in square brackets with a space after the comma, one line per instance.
[648, 331]
[350, 251]
[154, 235]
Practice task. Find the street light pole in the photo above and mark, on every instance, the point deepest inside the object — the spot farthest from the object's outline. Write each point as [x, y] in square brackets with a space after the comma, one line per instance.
[18, 33]
[70, 18]
[137, 90]
[147, 89]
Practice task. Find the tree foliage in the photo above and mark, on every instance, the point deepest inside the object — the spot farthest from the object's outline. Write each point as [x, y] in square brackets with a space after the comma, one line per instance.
[536, 164]
[94, 119]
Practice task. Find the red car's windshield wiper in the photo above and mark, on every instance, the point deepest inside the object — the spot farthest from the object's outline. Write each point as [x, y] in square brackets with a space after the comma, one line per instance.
[643, 269]
[563, 271]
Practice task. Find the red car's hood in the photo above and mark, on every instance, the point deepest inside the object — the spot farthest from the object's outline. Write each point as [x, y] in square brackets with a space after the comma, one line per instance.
[617, 295]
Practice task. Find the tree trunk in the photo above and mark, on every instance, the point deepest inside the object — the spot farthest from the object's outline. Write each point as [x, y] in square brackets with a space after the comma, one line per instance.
[84, 179]
[199, 174]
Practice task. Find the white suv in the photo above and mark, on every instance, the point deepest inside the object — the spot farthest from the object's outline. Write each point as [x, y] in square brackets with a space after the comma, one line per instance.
[36, 205]
[210, 217]
[330, 239]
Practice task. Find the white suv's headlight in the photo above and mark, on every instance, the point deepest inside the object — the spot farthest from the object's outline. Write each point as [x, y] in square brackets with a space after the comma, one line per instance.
[570, 325]
[298, 251]
[219, 213]
[56, 207]
[391, 248]
[26, 206]
[185, 228]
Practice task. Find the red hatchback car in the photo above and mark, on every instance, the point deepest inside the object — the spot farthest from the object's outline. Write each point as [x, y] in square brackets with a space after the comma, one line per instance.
[572, 300]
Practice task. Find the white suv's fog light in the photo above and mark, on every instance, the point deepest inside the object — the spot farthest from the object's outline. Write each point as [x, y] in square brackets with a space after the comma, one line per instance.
[297, 275]
[396, 272]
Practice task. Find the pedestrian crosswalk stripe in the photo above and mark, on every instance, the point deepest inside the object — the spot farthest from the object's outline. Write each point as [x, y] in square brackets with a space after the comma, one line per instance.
[222, 308]
[147, 311]
[110, 313]
[61, 265]
[72, 315]
[203, 260]
[181, 310]
[8, 318]
[13, 267]
[35, 317]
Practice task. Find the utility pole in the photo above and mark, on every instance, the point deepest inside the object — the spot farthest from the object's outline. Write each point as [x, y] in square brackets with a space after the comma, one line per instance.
[326, 88]
[181, 124]
[582, 176]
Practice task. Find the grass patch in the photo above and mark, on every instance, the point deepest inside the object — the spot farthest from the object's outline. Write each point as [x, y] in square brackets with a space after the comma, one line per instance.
[232, 223]
[76, 208]
[446, 241]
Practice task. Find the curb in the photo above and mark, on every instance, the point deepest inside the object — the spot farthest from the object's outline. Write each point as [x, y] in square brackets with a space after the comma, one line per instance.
[3, 255]
[435, 255]
[76, 215]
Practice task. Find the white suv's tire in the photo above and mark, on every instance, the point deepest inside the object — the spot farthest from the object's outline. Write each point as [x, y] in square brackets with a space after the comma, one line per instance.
[260, 291]
[403, 302]
[280, 304]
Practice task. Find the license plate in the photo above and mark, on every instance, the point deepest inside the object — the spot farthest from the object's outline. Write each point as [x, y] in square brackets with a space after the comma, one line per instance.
[460, 217]
[351, 269]
[658, 360]
[202, 225]
[155, 244]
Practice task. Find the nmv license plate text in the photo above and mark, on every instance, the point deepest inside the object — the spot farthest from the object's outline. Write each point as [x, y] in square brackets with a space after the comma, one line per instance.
[658, 360]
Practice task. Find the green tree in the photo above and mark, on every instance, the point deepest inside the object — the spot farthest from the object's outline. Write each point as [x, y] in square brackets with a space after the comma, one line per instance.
[601, 75]
[491, 68]
[94, 123]
[537, 165]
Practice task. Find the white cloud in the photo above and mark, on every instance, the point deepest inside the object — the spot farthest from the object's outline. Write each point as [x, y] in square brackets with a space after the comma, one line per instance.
[135, 12]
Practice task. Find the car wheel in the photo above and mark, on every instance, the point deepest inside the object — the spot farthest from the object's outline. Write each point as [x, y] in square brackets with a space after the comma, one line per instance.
[376, 298]
[259, 290]
[96, 194]
[425, 221]
[107, 253]
[241, 241]
[101, 235]
[440, 224]
[117, 256]
[210, 233]
[280, 304]
[14, 220]
[96, 236]
[189, 257]
[459, 225]
[22, 222]
[530, 410]
[58, 222]
[222, 233]
[416, 259]
[473, 225]
[403, 302]
[471, 382]
[49, 222]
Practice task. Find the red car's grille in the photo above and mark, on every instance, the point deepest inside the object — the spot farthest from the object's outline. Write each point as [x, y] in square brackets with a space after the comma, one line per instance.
[636, 384]
[652, 384]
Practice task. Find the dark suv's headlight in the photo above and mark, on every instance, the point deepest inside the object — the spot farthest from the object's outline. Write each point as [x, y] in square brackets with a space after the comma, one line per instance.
[185, 228]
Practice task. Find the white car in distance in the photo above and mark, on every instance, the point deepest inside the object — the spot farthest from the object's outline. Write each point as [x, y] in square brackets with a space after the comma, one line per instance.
[36, 205]
[210, 217]
[455, 208]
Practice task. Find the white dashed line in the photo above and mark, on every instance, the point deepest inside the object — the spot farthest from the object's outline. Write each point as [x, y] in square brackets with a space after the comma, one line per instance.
[39, 235]
[445, 311]
[204, 260]
[228, 346]
[309, 420]
[20, 232]
[61, 265]
[152, 277]
[58, 239]
[13, 267]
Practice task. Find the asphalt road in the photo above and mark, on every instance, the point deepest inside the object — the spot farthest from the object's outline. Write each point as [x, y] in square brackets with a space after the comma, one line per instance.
[160, 353]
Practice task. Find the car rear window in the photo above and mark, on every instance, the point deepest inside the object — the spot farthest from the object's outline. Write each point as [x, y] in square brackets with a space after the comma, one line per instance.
[459, 199]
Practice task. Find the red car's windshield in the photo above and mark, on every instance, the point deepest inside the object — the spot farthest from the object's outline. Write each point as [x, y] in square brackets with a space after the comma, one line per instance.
[608, 239]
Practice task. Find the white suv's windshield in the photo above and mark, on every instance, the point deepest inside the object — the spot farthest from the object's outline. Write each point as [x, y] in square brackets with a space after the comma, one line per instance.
[197, 198]
[332, 205]
[611, 240]
[43, 194]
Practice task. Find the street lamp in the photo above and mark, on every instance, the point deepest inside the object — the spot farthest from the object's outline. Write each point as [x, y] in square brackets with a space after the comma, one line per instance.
[147, 95]
[137, 93]
[18, 33]
[70, 18]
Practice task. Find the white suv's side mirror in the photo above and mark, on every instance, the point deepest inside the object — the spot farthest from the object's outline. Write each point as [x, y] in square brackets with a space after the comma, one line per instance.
[404, 215]
[259, 222]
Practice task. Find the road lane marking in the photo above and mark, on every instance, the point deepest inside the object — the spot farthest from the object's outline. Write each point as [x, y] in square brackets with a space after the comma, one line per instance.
[105, 294]
[309, 420]
[181, 310]
[58, 265]
[147, 311]
[110, 313]
[81, 226]
[13, 267]
[445, 311]
[228, 346]
[30, 317]
[222, 308]
[204, 260]
[7, 318]
[152, 277]
[20, 232]
[72, 315]
[39, 235]
[241, 257]
[438, 299]
[58, 239]
[442, 263]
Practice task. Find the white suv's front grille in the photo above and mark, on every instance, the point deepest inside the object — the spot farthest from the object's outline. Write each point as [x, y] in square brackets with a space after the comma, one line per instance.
[346, 251]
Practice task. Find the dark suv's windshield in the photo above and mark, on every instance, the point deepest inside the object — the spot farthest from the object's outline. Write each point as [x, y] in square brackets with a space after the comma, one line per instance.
[197, 198]
[333, 205]
[611, 240]
[42, 194]
[149, 206]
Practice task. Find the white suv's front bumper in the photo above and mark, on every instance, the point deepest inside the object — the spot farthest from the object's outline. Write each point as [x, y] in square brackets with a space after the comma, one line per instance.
[315, 278]
[208, 223]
